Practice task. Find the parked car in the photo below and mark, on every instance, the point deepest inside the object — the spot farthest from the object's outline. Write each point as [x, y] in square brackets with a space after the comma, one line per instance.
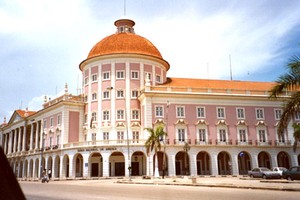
[279, 170]
[292, 174]
[263, 172]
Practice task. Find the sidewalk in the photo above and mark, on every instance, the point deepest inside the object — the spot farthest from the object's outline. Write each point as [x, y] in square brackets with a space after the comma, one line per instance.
[225, 182]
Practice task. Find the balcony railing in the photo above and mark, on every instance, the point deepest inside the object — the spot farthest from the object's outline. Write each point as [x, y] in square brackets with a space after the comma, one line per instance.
[182, 141]
[245, 142]
[224, 142]
[283, 142]
[203, 142]
[105, 143]
[263, 143]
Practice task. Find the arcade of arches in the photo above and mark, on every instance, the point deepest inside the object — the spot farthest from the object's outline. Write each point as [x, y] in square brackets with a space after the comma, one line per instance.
[95, 164]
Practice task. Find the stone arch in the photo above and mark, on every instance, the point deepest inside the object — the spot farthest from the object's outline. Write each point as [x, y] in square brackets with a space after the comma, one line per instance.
[264, 160]
[138, 164]
[95, 165]
[182, 163]
[66, 166]
[56, 171]
[203, 163]
[117, 164]
[224, 163]
[283, 160]
[78, 165]
[244, 162]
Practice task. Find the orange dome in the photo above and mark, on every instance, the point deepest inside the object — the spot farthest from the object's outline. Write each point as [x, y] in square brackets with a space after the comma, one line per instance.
[124, 42]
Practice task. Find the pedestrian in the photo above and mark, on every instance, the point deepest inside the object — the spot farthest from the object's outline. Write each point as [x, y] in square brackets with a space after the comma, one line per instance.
[49, 173]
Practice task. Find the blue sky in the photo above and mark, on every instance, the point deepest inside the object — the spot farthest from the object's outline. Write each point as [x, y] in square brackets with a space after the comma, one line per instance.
[44, 41]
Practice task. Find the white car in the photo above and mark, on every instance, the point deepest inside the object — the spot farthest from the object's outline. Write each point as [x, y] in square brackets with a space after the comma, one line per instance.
[279, 170]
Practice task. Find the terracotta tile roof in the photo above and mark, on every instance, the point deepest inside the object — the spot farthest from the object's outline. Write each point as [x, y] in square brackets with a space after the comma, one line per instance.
[22, 113]
[219, 84]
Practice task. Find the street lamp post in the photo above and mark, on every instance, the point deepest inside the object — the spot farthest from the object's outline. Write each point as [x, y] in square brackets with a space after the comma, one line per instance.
[127, 134]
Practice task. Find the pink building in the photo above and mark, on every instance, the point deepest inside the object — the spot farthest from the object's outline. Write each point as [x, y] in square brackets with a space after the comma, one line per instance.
[214, 127]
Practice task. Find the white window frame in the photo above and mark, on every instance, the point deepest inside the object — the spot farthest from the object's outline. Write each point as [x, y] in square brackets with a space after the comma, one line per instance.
[120, 114]
[181, 134]
[202, 134]
[240, 115]
[120, 136]
[262, 135]
[135, 114]
[134, 93]
[94, 116]
[106, 95]
[106, 75]
[158, 78]
[134, 74]
[200, 111]
[58, 119]
[106, 115]
[242, 135]
[221, 113]
[135, 136]
[159, 111]
[259, 113]
[120, 74]
[94, 77]
[278, 113]
[222, 135]
[105, 135]
[94, 96]
[51, 122]
[120, 94]
[180, 111]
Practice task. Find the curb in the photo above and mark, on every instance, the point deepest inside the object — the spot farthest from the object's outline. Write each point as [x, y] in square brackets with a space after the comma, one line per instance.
[213, 185]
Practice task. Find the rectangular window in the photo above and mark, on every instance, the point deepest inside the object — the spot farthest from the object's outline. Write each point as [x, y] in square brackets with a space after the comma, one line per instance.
[58, 139]
[200, 112]
[106, 76]
[262, 136]
[94, 137]
[222, 134]
[135, 136]
[202, 135]
[120, 135]
[94, 117]
[259, 113]
[134, 93]
[158, 79]
[120, 93]
[106, 95]
[181, 135]
[94, 77]
[180, 111]
[134, 75]
[105, 115]
[105, 135]
[51, 121]
[278, 113]
[242, 133]
[94, 96]
[58, 119]
[85, 118]
[221, 113]
[158, 111]
[50, 141]
[135, 114]
[120, 114]
[120, 74]
[86, 80]
[45, 123]
[240, 112]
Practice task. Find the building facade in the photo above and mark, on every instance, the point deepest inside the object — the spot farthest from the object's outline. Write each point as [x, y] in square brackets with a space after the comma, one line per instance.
[214, 127]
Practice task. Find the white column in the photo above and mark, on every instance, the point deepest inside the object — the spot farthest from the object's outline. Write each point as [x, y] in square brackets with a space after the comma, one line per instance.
[24, 138]
[31, 137]
[9, 142]
[214, 165]
[171, 165]
[36, 135]
[19, 139]
[62, 173]
[254, 159]
[105, 163]
[5, 142]
[71, 170]
[15, 141]
[193, 166]
[234, 164]
[85, 167]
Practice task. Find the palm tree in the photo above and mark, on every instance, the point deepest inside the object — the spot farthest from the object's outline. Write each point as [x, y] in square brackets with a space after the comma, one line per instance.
[289, 82]
[153, 142]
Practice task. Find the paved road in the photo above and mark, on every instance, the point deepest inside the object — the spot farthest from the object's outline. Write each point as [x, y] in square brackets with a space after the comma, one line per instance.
[108, 189]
